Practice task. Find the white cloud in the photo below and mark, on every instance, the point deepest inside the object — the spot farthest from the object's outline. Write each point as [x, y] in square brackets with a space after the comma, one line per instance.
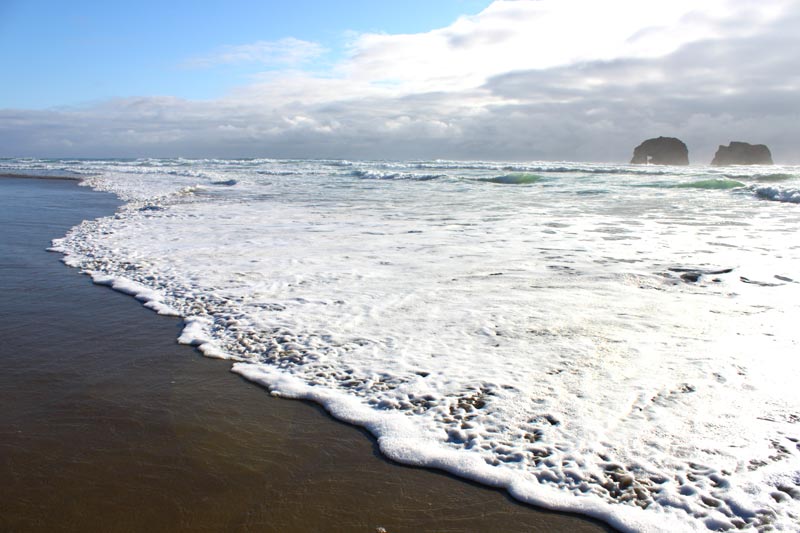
[521, 35]
[284, 52]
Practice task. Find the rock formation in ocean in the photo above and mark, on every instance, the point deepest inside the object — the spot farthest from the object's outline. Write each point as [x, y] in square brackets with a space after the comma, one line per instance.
[661, 151]
[740, 153]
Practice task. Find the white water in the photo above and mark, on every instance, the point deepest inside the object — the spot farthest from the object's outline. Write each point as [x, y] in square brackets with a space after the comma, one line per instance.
[617, 341]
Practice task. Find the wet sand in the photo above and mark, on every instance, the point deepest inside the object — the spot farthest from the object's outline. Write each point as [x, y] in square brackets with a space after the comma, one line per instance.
[107, 424]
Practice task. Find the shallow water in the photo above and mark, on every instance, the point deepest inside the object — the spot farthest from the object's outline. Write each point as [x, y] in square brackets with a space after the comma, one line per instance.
[618, 341]
[108, 425]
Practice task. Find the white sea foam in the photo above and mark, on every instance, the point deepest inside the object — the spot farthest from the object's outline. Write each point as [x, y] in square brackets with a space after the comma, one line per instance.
[579, 334]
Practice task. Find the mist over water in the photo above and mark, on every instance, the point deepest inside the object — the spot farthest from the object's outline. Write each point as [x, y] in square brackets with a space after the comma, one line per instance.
[614, 340]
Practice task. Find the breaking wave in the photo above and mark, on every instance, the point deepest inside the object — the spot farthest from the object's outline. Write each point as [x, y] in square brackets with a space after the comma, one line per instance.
[778, 194]
[388, 175]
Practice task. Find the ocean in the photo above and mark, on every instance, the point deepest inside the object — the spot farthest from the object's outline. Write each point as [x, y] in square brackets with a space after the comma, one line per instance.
[619, 341]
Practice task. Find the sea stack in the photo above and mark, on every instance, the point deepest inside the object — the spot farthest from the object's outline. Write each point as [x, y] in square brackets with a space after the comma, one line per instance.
[741, 153]
[661, 151]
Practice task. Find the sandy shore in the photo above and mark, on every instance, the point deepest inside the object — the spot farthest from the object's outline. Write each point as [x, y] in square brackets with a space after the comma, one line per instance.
[106, 424]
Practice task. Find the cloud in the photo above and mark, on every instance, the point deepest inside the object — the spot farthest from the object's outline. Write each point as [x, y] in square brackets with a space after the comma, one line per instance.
[521, 35]
[521, 80]
[284, 52]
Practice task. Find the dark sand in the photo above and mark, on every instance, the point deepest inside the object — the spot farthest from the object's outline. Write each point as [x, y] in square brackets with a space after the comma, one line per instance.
[106, 424]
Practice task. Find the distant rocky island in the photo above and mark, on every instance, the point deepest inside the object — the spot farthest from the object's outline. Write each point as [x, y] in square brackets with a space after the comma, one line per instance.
[741, 153]
[661, 151]
[673, 151]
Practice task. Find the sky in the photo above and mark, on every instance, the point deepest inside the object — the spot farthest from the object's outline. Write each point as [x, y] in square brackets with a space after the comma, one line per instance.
[577, 80]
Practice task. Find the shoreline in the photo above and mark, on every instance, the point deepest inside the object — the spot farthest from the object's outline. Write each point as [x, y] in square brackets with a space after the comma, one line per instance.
[109, 421]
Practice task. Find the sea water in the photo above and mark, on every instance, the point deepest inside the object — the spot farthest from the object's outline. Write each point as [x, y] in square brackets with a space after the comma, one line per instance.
[620, 341]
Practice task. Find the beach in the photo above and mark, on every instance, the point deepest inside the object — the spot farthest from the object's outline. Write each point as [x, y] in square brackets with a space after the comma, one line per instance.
[107, 424]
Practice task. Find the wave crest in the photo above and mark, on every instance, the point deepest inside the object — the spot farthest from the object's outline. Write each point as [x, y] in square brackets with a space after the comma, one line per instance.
[515, 178]
[713, 184]
[378, 175]
[777, 194]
